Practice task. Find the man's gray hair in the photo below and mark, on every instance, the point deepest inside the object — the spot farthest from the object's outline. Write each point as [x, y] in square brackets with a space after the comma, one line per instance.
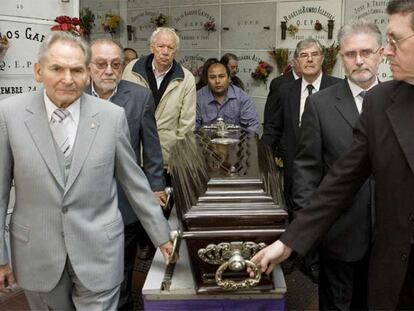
[64, 36]
[306, 43]
[167, 30]
[401, 7]
[357, 27]
[109, 41]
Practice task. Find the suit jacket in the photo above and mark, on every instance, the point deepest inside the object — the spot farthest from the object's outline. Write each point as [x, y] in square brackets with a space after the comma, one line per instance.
[269, 136]
[286, 123]
[325, 135]
[138, 104]
[382, 146]
[79, 219]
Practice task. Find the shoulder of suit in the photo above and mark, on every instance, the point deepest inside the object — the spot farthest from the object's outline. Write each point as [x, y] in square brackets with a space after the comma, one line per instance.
[128, 85]
[21, 100]
[100, 105]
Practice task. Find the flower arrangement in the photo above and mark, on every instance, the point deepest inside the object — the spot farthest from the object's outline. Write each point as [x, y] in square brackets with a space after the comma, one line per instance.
[88, 21]
[292, 30]
[280, 56]
[160, 21]
[262, 72]
[330, 53]
[4, 45]
[67, 23]
[111, 23]
[210, 26]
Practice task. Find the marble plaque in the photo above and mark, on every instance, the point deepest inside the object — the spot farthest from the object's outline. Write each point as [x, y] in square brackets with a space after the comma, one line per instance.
[147, 3]
[194, 60]
[25, 37]
[12, 85]
[374, 11]
[45, 9]
[192, 2]
[140, 20]
[100, 5]
[248, 61]
[248, 26]
[260, 103]
[190, 25]
[308, 19]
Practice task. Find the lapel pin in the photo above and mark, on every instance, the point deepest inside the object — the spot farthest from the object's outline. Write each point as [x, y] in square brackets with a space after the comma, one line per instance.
[93, 125]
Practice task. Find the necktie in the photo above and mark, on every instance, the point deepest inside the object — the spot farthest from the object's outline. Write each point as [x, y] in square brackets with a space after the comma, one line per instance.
[59, 126]
[310, 89]
[362, 94]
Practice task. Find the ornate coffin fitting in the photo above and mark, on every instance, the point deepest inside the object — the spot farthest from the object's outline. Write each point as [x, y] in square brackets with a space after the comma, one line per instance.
[227, 192]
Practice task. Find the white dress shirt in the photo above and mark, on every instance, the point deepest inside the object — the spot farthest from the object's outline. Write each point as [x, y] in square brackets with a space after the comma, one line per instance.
[159, 76]
[356, 90]
[304, 93]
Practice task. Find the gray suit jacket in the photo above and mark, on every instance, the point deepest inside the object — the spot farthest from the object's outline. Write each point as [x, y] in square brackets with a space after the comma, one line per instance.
[138, 104]
[80, 220]
[325, 135]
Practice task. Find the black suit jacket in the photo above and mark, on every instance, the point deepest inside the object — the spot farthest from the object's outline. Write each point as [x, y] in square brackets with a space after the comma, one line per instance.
[285, 123]
[382, 146]
[138, 104]
[325, 135]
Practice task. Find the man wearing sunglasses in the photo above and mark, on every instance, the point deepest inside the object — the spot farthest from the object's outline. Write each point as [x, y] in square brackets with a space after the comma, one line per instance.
[383, 147]
[106, 69]
[325, 135]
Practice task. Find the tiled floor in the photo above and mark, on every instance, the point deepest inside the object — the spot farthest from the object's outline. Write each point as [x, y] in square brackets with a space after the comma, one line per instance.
[302, 293]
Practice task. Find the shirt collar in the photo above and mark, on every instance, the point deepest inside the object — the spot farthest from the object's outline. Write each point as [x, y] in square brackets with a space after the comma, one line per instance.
[355, 89]
[74, 108]
[316, 84]
[94, 93]
[159, 74]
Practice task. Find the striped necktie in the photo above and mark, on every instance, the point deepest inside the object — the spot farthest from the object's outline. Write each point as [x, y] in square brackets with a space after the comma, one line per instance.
[59, 126]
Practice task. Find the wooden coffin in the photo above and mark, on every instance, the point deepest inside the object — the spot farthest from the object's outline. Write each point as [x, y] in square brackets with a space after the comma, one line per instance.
[228, 196]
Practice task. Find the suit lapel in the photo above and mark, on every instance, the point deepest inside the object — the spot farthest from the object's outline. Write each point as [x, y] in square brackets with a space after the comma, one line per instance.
[38, 127]
[295, 104]
[87, 129]
[401, 115]
[345, 104]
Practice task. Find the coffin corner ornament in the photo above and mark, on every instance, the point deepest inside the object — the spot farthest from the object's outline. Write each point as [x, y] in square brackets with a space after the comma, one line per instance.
[228, 196]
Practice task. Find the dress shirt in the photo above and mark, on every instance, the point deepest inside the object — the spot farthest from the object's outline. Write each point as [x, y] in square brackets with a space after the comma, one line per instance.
[237, 108]
[304, 93]
[74, 110]
[159, 76]
[356, 90]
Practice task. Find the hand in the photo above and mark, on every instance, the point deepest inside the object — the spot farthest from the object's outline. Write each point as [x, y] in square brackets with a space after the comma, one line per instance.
[161, 197]
[270, 256]
[166, 250]
[7, 281]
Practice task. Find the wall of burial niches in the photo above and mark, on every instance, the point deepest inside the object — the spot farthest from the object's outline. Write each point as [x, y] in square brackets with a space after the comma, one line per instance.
[247, 28]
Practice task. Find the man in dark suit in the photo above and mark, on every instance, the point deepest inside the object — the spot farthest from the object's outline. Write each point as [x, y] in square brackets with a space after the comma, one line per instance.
[268, 136]
[286, 120]
[325, 135]
[106, 72]
[382, 146]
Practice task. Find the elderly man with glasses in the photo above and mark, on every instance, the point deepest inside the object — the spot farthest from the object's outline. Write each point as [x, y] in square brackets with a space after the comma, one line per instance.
[106, 69]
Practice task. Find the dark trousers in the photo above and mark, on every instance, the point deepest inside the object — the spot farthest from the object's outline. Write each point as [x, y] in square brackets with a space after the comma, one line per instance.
[406, 301]
[342, 285]
[126, 301]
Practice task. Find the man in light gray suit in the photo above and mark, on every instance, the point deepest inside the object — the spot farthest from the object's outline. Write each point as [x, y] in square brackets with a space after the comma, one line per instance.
[64, 150]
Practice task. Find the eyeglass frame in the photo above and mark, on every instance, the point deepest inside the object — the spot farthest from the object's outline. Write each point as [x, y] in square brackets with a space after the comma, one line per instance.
[393, 43]
[365, 53]
[100, 65]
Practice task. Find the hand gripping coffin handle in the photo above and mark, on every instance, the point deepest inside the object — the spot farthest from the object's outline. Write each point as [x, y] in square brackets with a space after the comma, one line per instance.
[237, 263]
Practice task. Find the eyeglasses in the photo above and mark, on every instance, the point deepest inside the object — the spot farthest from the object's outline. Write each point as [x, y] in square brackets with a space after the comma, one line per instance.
[394, 42]
[307, 55]
[103, 65]
[367, 53]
